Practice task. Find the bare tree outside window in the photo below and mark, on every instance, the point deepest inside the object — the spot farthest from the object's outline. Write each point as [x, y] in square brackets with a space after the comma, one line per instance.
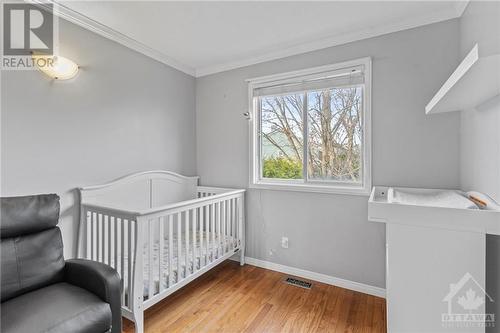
[334, 135]
[282, 136]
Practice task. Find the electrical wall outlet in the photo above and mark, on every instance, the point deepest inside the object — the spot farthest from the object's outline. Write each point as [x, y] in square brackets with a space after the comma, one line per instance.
[284, 242]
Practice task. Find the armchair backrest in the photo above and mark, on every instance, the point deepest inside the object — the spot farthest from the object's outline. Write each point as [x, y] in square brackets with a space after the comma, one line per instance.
[31, 244]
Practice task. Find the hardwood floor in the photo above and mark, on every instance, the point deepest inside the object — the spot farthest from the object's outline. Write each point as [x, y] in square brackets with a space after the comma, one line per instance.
[231, 298]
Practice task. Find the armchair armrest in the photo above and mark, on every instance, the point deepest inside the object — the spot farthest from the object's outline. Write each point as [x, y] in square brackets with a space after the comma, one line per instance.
[99, 279]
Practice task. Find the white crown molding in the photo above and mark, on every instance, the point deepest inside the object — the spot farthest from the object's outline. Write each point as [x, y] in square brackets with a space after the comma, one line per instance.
[323, 278]
[109, 33]
[434, 17]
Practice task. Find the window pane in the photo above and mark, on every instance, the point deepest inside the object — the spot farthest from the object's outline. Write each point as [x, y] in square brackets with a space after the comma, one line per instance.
[282, 136]
[335, 134]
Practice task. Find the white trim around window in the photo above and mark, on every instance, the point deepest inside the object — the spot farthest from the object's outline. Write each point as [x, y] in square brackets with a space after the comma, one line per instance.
[256, 85]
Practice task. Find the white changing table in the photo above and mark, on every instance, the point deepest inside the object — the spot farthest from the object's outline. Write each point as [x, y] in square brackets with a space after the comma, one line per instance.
[428, 249]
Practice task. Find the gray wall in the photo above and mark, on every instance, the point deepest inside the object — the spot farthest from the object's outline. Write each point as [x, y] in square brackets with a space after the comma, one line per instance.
[480, 127]
[123, 113]
[480, 135]
[330, 234]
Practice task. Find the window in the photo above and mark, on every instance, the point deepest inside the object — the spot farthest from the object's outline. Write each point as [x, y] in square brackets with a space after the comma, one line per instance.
[310, 129]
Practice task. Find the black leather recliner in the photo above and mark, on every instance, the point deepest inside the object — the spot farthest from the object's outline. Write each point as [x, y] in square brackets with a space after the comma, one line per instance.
[40, 291]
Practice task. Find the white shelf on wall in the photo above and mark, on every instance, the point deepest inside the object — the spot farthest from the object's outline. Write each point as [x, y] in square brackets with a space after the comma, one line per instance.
[475, 81]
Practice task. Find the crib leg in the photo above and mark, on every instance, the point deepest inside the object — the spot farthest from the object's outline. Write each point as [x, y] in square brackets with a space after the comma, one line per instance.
[242, 256]
[139, 322]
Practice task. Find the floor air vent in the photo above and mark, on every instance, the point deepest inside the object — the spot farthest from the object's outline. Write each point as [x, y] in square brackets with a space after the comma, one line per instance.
[298, 283]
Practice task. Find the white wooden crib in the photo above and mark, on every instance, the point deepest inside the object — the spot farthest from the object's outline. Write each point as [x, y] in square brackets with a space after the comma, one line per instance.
[160, 231]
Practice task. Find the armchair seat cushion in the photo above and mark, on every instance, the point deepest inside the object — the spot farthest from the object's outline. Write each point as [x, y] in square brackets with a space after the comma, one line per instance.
[60, 307]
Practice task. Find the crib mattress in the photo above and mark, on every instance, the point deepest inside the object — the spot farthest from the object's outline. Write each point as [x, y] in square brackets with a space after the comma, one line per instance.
[213, 248]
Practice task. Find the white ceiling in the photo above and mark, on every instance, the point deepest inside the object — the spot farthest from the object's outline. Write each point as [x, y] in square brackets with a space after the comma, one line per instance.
[201, 38]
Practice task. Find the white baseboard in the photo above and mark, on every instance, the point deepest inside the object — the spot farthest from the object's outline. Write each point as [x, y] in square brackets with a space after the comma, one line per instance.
[334, 281]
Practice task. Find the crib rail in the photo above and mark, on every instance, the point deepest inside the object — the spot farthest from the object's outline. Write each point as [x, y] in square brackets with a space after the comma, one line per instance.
[197, 233]
[156, 251]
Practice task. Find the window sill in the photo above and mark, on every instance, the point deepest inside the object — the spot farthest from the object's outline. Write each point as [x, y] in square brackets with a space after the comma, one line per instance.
[326, 189]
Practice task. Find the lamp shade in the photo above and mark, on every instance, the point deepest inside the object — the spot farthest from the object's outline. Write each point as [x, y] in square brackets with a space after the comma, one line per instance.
[56, 67]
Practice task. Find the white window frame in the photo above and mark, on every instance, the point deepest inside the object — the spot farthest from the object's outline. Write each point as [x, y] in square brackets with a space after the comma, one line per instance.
[257, 182]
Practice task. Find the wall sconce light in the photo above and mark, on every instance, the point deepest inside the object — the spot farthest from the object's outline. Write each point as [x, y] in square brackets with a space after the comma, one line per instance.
[56, 67]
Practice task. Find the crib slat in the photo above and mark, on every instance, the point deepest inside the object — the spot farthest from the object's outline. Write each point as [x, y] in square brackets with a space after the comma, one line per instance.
[98, 237]
[186, 227]
[233, 222]
[109, 240]
[150, 259]
[122, 255]
[224, 230]
[207, 234]
[236, 221]
[202, 217]
[130, 260]
[179, 246]
[160, 254]
[228, 224]
[194, 217]
[90, 230]
[95, 239]
[170, 249]
[219, 240]
[215, 235]
[115, 258]
[212, 229]
[206, 229]
[206, 239]
[103, 238]
[93, 218]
